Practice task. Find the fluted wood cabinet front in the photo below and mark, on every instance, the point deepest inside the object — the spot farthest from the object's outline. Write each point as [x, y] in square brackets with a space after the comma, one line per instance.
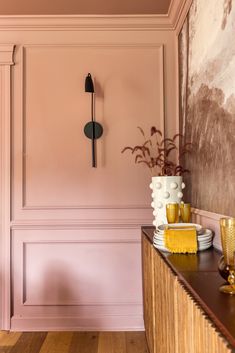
[164, 313]
[194, 331]
[174, 321]
[148, 291]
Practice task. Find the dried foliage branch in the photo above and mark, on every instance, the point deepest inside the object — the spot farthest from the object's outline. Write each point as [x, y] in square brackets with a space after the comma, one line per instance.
[156, 152]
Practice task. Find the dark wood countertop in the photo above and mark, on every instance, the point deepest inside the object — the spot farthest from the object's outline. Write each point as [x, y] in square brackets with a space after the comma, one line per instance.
[199, 275]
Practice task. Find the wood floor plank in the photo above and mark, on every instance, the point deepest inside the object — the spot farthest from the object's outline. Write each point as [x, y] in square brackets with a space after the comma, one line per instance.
[73, 342]
[105, 342]
[57, 342]
[112, 342]
[119, 342]
[29, 342]
[84, 342]
[9, 338]
[136, 342]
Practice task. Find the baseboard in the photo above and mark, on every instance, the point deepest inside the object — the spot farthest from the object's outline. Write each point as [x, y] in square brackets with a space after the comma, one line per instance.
[104, 323]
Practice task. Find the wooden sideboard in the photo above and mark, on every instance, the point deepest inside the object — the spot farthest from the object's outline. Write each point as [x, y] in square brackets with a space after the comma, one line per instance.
[184, 312]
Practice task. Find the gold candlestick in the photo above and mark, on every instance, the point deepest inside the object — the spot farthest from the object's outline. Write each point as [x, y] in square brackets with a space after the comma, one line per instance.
[227, 230]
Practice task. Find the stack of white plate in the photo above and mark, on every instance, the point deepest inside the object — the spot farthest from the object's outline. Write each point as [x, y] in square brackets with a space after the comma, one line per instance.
[204, 236]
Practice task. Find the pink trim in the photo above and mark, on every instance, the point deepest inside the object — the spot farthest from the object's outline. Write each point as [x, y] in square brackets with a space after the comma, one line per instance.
[93, 323]
[6, 60]
[81, 22]
[177, 12]
[182, 15]
[99, 22]
[70, 296]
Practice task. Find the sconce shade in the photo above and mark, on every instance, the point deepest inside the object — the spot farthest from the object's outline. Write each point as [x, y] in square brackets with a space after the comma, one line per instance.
[92, 129]
[89, 87]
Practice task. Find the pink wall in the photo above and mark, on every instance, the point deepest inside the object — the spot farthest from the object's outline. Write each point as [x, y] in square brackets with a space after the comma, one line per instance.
[57, 156]
[76, 259]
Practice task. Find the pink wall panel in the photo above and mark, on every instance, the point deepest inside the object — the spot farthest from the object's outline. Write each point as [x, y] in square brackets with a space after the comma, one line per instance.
[76, 260]
[92, 257]
[57, 163]
[81, 273]
[76, 269]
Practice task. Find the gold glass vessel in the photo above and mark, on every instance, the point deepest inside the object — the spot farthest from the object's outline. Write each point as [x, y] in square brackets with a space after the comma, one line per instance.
[185, 212]
[223, 268]
[227, 230]
[172, 212]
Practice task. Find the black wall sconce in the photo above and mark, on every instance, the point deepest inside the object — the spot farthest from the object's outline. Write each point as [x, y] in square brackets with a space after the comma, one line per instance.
[92, 129]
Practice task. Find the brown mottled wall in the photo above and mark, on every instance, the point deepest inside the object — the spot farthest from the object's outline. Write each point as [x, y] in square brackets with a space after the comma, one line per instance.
[207, 103]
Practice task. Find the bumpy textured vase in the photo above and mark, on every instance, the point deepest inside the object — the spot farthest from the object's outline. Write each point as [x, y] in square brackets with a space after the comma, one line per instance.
[165, 189]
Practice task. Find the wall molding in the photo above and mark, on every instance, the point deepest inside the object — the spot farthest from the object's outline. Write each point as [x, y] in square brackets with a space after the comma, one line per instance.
[183, 16]
[159, 22]
[6, 54]
[87, 22]
[178, 11]
[105, 312]
[159, 53]
[81, 224]
[112, 301]
[91, 207]
[208, 214]
[6, 60]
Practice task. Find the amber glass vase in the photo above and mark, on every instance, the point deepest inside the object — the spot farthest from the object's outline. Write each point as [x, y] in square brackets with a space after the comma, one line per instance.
[172, 212]
[223, 268]
[185, 212]
[227, 230]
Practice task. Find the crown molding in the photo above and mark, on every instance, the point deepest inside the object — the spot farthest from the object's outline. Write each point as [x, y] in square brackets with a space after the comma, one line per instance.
[85, 22]
[177, 13]
[166, 22]
[6, 54]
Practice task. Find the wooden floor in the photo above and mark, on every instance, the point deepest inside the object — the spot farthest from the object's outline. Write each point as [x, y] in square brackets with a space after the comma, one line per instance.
[72, 342]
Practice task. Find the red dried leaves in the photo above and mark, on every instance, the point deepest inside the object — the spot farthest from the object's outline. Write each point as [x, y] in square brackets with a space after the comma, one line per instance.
[155, 152]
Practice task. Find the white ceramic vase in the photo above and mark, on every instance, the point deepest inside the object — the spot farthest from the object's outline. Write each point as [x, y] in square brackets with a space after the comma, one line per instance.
[165, 189]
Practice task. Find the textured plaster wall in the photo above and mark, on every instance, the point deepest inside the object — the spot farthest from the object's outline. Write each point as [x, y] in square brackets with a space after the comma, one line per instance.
[207, 103]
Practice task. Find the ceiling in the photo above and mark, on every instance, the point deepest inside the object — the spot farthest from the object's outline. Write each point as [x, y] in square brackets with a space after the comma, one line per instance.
[83, 7]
